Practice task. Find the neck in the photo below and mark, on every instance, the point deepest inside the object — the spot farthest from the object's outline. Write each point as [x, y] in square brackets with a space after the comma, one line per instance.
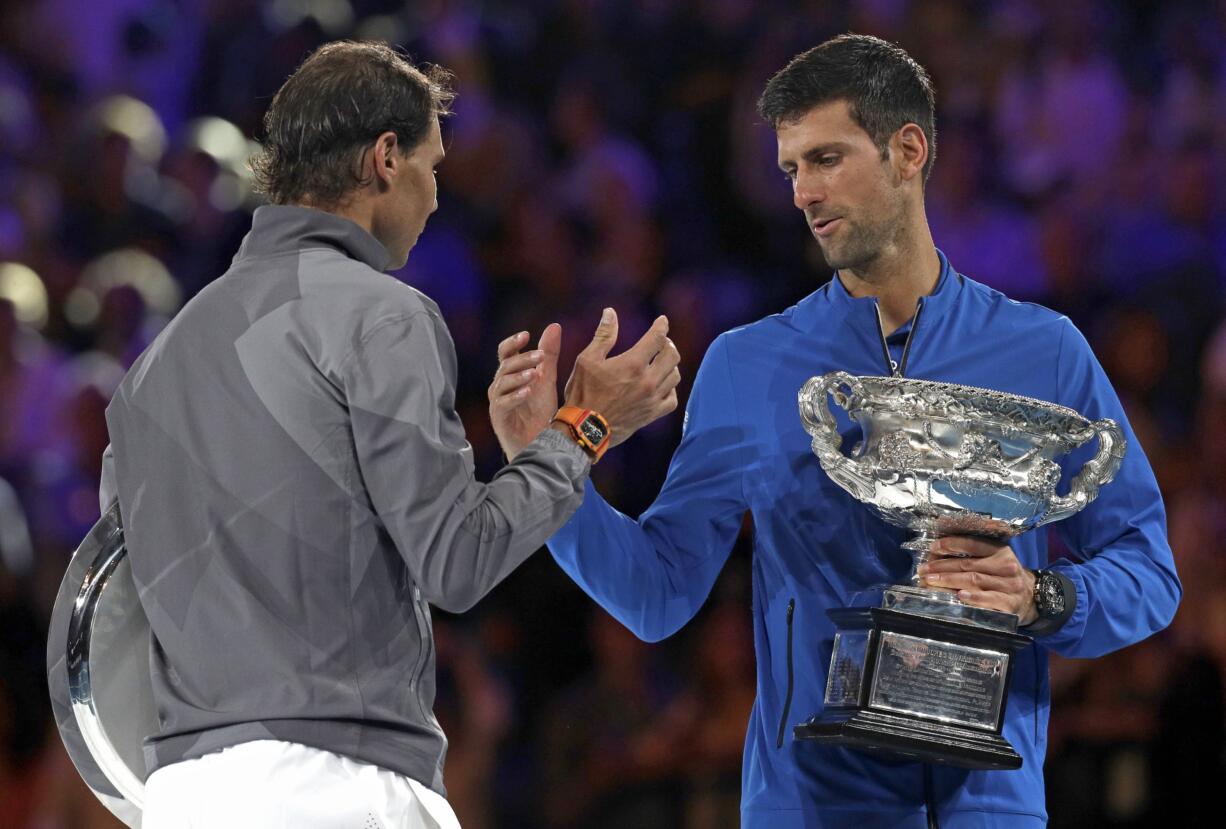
[903, 272]
[359, 211]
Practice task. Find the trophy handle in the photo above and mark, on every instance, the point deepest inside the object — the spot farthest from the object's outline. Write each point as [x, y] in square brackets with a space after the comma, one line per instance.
[819, 422]
[1098, 471]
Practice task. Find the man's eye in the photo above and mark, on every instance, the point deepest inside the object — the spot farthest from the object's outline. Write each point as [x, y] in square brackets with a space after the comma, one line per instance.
[828, 160]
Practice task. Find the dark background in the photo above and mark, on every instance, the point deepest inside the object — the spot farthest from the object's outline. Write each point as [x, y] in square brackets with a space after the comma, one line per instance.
[607, 153]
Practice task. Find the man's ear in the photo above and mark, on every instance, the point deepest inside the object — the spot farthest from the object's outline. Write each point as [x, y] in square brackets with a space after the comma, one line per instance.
[909, 148]
[386, 158]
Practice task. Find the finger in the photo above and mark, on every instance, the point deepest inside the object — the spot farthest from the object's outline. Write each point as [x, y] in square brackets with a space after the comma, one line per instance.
[990, 599]
[967, 545]
[510, 400]
[508, 383]
[550, 345]
[669, 383]
[665, 362]
[667, 357]
[512, 344]
[669, 403]
[651, 343]
[551, 341]
[972, 581]
[519, 362]
[605, 336]
[1005, 565]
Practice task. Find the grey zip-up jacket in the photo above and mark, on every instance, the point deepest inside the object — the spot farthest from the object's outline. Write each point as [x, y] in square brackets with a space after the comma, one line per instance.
[296, 491]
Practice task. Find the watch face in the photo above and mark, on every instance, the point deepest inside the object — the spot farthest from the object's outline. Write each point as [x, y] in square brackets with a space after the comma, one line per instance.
[592, 430]
[1051, 597]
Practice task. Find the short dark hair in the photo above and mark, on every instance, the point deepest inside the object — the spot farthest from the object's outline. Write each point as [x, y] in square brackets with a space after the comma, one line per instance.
[325, 116]
[885, 89]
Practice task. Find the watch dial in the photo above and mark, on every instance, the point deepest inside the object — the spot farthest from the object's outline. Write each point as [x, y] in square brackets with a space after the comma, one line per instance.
[1053, 596]
[592, 430]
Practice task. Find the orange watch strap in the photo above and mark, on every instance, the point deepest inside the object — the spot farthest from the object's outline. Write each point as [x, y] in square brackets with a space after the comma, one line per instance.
[574, 416]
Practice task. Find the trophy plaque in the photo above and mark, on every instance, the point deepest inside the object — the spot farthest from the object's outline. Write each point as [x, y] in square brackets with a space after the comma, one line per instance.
[921, 674]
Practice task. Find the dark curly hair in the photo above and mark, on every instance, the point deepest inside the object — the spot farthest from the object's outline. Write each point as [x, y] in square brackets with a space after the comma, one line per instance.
[327, 114]
[884, 87]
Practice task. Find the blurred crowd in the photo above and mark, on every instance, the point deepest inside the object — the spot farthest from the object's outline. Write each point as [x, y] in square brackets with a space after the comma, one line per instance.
[607, 153]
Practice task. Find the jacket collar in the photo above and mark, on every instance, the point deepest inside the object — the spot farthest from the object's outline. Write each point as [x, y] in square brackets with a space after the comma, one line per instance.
[943, 296]
[855, 320]
[277, 228]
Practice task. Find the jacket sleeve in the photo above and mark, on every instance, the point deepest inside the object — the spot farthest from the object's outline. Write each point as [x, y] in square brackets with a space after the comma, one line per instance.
[458, 536]
[654, 574]
[1125, 579]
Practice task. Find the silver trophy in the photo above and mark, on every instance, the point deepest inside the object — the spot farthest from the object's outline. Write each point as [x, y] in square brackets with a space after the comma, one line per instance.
[98, 674]
[922, 674]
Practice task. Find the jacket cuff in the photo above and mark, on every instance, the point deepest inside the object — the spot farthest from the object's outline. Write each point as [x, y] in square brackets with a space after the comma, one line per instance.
[1051, 624]
[553, 440]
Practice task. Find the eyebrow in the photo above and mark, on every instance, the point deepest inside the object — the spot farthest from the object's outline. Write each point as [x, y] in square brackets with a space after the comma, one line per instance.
[812, 154]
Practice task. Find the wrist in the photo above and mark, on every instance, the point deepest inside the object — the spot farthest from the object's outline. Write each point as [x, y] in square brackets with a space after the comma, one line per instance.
[1054, 599]
[586, 427]
[1030, 613]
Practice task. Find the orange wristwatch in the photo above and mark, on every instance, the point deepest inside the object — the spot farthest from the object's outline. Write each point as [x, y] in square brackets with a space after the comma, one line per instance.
[590, 430]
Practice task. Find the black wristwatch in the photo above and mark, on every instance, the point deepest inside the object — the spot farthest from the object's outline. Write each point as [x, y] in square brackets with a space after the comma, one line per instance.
[1054, 599]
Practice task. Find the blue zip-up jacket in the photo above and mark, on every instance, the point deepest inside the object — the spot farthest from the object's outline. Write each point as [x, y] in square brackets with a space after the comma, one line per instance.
[743, 448]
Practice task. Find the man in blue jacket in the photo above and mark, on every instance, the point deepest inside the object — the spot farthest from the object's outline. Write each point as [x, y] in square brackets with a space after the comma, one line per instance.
[854, 121]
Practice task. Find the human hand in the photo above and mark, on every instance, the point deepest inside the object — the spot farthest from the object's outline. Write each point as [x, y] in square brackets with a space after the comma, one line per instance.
[984, 572]
[631, 389]
[524, 394]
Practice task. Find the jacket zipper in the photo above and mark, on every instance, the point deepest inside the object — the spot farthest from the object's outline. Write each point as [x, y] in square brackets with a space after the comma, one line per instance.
[898, 369]
[787, 700]
[930, 800]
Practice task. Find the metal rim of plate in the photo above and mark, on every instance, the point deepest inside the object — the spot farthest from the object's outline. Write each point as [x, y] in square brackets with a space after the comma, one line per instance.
[99, 639]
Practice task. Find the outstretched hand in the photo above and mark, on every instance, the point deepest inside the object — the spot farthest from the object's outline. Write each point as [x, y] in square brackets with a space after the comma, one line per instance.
[631, 389]
[524, 394]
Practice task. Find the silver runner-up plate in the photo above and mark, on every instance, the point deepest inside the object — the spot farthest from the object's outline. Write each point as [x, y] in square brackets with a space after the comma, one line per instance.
[98, 674]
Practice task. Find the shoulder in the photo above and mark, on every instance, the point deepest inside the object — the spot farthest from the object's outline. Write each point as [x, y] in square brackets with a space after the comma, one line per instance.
[1002, 311]
[337, 286]
[776, 332]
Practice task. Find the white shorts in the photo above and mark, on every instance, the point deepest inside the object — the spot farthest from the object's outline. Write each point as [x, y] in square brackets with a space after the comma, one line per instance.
[269, 784]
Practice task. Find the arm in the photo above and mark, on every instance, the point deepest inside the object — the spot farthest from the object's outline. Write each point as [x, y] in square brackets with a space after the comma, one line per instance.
[654, 574]
[458, 536]
[1126, 585]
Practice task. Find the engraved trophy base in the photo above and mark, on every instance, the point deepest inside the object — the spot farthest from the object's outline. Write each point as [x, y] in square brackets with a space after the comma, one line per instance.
[918, 687]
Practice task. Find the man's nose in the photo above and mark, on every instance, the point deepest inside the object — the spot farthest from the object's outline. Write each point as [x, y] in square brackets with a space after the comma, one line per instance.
[807, 191]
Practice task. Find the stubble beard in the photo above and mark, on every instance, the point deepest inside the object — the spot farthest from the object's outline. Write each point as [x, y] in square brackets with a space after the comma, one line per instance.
[863, 242]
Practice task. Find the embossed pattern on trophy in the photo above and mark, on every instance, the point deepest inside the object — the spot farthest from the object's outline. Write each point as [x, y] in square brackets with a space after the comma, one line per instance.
[945, 459]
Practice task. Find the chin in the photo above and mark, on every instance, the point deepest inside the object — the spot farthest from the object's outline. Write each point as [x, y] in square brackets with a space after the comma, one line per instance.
[401, 259]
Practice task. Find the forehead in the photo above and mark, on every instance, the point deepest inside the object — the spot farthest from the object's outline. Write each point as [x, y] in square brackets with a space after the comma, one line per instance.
[828, 123]
[430, 147]
[434, 137]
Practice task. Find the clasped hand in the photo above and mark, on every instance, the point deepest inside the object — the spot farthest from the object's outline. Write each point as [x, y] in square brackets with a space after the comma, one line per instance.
[629, 390]
[984, 572]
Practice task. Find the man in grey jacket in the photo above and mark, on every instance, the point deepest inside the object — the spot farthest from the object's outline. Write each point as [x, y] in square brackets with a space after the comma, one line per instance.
[295, 483]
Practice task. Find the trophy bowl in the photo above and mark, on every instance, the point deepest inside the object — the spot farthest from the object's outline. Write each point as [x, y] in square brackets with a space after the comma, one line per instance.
[946, 459]
[925, 675]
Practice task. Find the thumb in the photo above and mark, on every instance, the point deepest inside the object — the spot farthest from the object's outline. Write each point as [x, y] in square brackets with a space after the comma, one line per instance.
[606, 334]
[550, 344]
